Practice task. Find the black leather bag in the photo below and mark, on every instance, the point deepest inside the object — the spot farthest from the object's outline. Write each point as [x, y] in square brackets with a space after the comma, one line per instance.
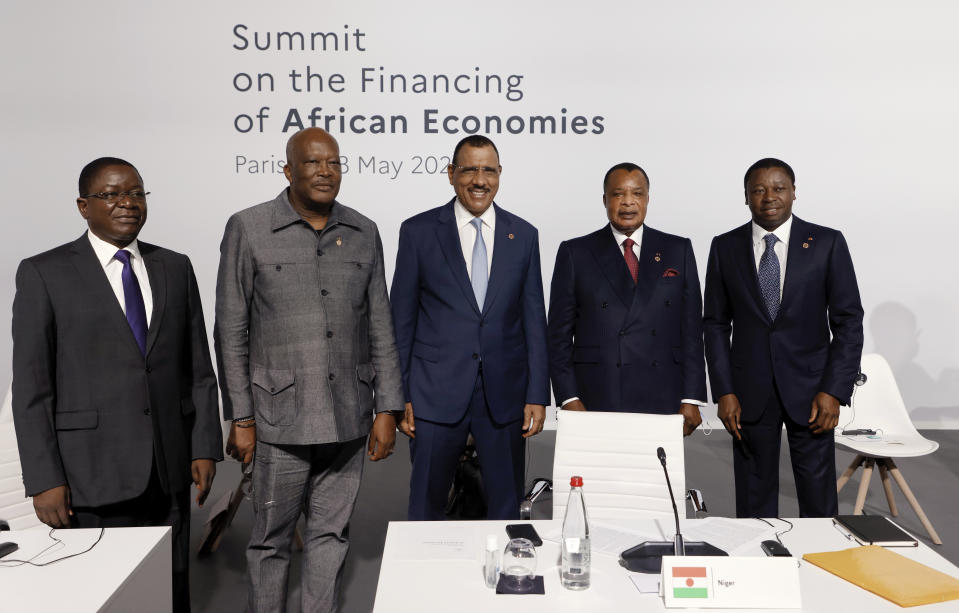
[467, 498]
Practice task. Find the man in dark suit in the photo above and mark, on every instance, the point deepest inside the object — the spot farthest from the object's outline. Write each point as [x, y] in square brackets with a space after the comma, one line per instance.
[114, 396]
[780, 286]
[467, 302]
[625, 313]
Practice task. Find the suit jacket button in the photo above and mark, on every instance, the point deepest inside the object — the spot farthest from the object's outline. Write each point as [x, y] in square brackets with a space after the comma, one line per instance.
[617, 364]
[324, 292]
[146, 411]
[149, 370]
[475, 356]
[319, 252]
[652, 332]
[278, 267]
[329, 334]
[332, 376]
[604, 305]
[668, 302]
[655, 363]
[272, 390]
[622, 333]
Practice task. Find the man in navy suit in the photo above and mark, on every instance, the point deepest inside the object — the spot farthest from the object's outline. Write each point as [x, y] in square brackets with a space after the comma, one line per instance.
[625, 313]
[787, 291]
[467, 301]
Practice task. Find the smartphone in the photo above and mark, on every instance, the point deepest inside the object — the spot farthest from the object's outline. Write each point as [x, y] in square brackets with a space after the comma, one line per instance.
[524, 531]
[8, 548]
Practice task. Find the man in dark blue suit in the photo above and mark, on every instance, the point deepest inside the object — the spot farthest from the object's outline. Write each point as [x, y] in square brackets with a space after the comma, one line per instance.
[467, 301]
[625, 313]
[786, 291]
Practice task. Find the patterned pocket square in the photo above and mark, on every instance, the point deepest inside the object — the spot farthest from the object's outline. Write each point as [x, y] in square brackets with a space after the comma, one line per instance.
[671, 272]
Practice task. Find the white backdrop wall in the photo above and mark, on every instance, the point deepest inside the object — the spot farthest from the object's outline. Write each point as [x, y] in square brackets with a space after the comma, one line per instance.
[860, 97]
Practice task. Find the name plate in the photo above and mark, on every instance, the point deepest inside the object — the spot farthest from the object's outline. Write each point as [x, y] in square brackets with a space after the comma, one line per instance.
[730, 582]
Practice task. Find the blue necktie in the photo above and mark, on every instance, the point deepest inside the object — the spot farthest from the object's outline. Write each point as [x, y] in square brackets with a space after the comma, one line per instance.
[480, 277]
[133, 299]
[769, 276]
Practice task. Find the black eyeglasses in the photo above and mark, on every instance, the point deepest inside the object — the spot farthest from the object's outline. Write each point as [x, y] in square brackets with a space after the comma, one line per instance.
[137, 195]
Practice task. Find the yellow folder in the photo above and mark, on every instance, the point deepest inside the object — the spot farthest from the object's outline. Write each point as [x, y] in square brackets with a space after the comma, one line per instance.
[885, 573]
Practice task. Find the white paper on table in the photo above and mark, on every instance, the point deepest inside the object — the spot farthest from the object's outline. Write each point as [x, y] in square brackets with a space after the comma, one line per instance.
[437, 544]
[646, 583]
[734, 536]
[607, 539]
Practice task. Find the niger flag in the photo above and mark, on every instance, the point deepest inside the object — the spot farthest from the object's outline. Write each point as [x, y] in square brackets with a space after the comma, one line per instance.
[690, 582]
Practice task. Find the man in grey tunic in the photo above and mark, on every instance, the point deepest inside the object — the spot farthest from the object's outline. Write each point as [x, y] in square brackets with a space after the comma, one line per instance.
[306, 355]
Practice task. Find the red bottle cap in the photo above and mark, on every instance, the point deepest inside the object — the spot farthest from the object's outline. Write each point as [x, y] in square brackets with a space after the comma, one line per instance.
[576, 482]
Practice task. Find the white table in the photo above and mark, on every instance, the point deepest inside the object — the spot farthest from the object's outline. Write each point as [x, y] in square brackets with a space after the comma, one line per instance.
[421, 586]
[128, 570]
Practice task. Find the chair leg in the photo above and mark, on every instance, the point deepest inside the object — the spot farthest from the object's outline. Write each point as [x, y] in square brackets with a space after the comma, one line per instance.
[887, 486]
[894, 470]
[849, 472]
[863, 486]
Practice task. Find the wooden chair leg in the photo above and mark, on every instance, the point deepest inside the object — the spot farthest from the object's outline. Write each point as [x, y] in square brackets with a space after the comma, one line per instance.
[887, 486]
[894, 470]
[844, 477]
[863, 486]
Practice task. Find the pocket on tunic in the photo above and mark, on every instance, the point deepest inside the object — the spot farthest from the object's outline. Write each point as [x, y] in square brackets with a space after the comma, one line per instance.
[274, 395]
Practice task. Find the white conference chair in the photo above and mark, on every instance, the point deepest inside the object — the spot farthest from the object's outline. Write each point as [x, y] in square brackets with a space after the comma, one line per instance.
[878, 405]
[615, 454]
[15, 508]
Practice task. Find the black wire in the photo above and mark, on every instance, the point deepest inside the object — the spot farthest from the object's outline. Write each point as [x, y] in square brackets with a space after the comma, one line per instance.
[56, 541]
[778, 534]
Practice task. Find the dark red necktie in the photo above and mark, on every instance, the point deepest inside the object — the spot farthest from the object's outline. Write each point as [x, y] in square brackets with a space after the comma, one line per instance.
[631, 262]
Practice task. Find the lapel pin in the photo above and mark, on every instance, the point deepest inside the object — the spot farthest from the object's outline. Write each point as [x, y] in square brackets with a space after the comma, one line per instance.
[805, 245]
[510, 236]
[657, 258]
[339, 241]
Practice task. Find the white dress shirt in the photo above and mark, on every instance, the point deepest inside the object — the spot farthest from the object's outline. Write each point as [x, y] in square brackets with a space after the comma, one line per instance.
[780, 248]
[637, 237]
[464, 223]
[113, 268]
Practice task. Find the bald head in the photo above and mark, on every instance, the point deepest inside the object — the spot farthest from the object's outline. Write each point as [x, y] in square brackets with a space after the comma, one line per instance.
[313, 169]
[308, 135]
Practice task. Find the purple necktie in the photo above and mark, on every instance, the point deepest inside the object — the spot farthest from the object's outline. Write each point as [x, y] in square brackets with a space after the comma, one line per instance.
[133, 298]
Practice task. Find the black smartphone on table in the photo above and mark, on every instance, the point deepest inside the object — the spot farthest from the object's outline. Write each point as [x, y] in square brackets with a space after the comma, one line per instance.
[524, 531]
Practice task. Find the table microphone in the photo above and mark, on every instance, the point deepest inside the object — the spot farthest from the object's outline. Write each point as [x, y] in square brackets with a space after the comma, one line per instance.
[678, 548]
[647, 557]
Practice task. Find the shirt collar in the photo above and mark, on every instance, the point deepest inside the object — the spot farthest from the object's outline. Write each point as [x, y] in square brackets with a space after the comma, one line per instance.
[464, 217]
[284, 214]
[782, 232]
[619, 237]
[105, 251]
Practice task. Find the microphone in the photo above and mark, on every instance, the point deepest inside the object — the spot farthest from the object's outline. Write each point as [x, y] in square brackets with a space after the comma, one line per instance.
[678, 548]
[647, 557]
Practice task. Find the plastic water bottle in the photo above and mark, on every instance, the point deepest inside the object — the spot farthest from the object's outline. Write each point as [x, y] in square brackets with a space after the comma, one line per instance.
[576, 553]
[491, 567]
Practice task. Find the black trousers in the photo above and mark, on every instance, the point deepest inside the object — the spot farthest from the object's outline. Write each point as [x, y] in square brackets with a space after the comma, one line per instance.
[813, 458]
[154, 507]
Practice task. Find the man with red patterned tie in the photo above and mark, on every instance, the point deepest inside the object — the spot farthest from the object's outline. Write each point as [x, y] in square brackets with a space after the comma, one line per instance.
[625, 328]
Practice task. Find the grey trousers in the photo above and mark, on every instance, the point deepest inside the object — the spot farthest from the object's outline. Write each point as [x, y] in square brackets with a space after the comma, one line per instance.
[322, 481]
